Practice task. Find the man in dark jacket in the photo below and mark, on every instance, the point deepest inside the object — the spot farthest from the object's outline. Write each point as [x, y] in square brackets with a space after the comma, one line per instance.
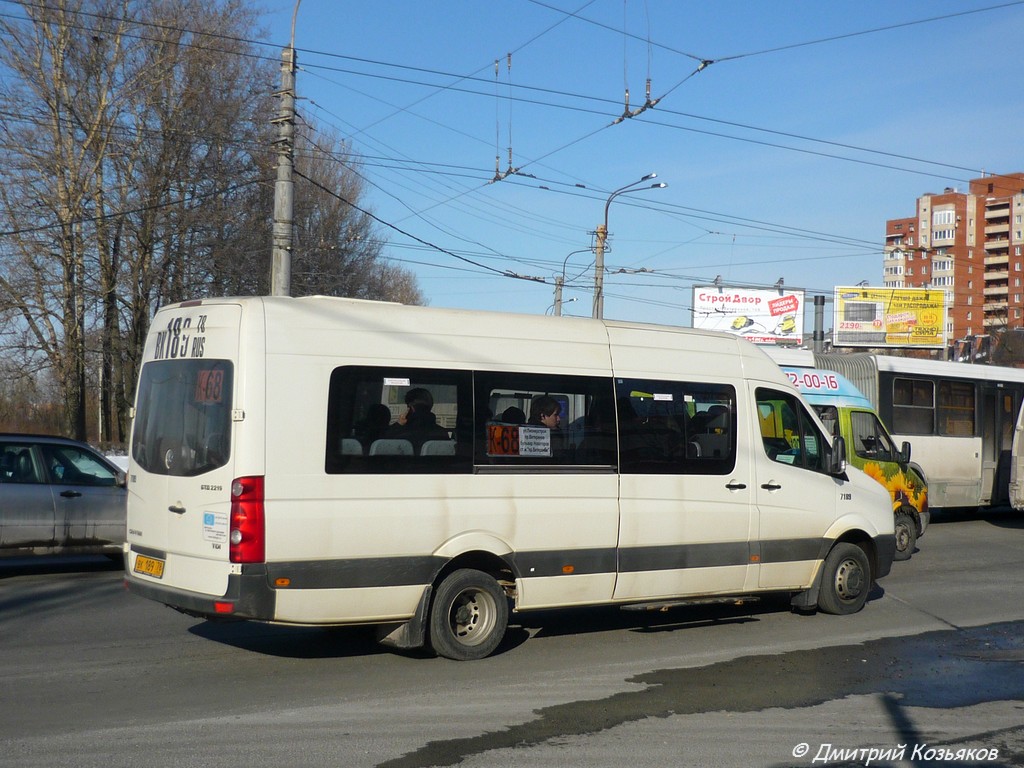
[418, 424]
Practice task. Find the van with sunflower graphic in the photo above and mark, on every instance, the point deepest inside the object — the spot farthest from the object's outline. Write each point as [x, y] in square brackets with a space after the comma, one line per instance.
[847, 412]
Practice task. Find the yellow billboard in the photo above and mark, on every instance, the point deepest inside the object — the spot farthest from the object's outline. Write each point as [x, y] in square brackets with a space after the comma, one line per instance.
[889, 317]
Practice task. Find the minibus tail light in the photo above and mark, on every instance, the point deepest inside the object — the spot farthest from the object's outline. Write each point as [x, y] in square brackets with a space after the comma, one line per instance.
[247, 538]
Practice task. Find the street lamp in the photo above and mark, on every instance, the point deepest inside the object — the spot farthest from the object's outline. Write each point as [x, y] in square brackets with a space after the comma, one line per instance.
[560, 281]
[602, 237]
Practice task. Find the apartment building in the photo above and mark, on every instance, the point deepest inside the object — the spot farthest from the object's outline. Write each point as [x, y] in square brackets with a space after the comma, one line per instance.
[969, 244]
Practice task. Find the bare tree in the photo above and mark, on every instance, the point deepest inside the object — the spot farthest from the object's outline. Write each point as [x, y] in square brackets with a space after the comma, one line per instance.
[127, 125]
[139, 171]
[53, 146]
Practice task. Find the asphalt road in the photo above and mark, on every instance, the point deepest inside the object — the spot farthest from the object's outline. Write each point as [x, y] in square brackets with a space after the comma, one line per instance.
[93, 676]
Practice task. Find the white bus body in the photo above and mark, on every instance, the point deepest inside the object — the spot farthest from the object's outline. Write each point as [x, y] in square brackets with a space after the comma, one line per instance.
[685, 466]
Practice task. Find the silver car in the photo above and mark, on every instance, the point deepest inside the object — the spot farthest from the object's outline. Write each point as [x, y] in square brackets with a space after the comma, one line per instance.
[58, 496]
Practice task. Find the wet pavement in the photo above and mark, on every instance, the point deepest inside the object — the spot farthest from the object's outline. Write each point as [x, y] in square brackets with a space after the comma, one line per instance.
[968, 682]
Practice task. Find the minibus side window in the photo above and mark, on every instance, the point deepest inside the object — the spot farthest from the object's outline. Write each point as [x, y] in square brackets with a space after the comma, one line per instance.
[676, 427]
[398, 420]
[788, 432]
[524, 419]
[870, 440]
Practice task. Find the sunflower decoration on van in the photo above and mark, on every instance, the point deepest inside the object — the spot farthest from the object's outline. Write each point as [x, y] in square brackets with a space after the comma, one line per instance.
[905, 488]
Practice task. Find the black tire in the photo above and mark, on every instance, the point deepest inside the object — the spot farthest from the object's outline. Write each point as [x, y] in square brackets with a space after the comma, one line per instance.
[468, 617]
[845, 580]
[906, 535]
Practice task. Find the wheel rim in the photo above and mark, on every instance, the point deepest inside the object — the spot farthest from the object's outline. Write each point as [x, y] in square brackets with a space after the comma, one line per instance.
[849, 580]
[472, 616]
[902, 536]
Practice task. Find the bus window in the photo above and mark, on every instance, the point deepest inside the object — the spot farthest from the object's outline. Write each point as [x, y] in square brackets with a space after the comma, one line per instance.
[398, 420]
[956, 408]
[788, 433]
[913, 407]
[672, 427]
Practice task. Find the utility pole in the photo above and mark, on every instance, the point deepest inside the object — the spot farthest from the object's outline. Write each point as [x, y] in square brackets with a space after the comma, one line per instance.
[602, 239]
[602, 236]
[284, 187]
[558, 295]
[818, 340]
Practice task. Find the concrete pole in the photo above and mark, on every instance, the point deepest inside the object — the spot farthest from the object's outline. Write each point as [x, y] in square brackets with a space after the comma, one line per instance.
[602, 240]
[818, 342]
[284, 187]
[602, 236]
[558, 296]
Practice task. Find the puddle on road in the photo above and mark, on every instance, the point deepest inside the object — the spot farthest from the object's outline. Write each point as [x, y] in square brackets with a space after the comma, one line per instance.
[945, 669]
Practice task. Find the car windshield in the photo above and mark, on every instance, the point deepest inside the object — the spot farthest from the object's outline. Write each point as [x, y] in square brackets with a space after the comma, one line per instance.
[183, 417]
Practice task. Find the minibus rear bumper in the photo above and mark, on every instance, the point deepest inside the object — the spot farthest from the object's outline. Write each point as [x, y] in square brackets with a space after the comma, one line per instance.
[247, 596]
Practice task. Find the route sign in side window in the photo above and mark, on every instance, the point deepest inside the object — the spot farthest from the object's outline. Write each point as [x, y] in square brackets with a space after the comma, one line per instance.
[546, 419]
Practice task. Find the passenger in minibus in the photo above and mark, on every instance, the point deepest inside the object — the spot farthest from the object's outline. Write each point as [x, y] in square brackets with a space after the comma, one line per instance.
[513, 415]
[374, 424]
[418, 424]
[545, 411]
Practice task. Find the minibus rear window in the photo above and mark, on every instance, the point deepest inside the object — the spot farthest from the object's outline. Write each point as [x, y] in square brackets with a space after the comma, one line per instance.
[183, 417]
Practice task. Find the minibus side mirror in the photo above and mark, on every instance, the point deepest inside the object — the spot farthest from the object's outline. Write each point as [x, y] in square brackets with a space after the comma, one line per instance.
[837, 458]
[905, 453]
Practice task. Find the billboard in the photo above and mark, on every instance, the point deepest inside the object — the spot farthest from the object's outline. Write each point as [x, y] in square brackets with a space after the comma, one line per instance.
[763, 316]
[889, 317]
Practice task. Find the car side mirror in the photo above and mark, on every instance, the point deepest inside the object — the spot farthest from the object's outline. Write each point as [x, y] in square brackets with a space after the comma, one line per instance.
[905, 453]
[837, 458]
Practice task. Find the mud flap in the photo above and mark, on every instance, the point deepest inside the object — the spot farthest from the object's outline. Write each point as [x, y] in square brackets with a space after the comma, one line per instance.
[808, 599]
[412, 634]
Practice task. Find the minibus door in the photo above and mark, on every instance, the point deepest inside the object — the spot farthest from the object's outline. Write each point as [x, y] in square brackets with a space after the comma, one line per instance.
[183, 447]
[796, 498]
[685, 498]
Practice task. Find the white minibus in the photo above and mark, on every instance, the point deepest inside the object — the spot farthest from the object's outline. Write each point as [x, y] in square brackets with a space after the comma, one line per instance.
[325, 461]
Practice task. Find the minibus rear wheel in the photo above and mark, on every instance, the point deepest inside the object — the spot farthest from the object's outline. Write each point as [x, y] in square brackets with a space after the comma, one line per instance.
[845, 580]
[906, 535]
[469, 616]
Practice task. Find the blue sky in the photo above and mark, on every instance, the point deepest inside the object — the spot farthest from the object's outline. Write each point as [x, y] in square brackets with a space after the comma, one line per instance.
[813, 124]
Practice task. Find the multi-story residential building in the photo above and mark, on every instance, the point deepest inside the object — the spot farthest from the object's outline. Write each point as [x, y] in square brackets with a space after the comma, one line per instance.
[970, 245]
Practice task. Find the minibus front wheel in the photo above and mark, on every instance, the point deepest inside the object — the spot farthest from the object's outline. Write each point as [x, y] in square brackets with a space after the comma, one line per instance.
[906, 535]
[845, 580]
[469, 615]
